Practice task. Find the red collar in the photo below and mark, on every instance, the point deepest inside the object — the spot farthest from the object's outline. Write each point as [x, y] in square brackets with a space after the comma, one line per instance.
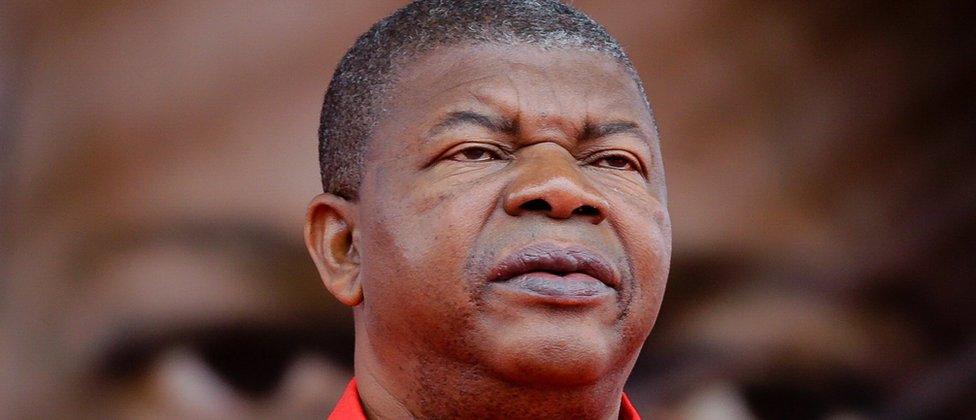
[349, 408]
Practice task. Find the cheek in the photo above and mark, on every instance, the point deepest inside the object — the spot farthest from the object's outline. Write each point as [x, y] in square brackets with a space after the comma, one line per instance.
[645, 230]
[643, 225]
[415, 242]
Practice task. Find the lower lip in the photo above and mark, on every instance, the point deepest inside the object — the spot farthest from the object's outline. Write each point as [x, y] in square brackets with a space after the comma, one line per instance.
[571, 289]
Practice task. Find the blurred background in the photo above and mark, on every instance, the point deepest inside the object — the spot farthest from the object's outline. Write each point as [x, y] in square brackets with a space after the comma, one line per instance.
[156, 159]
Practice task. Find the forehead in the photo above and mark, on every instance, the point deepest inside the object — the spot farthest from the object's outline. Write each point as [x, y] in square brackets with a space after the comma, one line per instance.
[525, 82]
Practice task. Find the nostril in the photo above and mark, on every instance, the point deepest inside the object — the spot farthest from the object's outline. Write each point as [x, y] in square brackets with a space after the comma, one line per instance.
[586, 211]
[536, 205]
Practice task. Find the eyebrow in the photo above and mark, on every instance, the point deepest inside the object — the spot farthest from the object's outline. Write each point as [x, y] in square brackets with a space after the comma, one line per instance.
[591, 131]
[458, 118]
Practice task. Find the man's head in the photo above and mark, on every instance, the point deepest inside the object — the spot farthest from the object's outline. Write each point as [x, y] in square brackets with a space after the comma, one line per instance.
[504, 227]
[355, 98]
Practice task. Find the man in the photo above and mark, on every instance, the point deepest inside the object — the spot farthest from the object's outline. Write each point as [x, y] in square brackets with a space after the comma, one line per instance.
[494, 212]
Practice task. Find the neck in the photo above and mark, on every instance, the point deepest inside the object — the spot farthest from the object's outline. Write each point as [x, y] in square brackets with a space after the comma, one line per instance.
[430, 387]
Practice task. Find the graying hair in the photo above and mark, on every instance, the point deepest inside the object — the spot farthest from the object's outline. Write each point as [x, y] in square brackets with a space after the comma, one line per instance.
[352, 103]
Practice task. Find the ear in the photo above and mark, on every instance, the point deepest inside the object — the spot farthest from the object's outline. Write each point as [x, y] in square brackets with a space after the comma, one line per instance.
[329, 227]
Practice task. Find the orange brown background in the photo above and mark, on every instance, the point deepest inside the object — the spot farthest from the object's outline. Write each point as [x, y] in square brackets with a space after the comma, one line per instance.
[156, 159]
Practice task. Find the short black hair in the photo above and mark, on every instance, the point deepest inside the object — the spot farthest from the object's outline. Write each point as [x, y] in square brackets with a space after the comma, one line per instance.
[352, 103]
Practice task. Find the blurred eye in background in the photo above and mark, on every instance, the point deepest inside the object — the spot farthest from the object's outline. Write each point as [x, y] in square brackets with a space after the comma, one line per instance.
[212, 319]
[237, 370]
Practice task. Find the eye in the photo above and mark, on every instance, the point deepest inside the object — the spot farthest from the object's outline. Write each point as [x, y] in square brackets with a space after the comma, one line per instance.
[616, 161]
[475, 154]
[246, 361]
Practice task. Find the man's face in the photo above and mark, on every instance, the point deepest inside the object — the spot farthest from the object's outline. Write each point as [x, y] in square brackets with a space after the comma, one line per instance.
[512, 216]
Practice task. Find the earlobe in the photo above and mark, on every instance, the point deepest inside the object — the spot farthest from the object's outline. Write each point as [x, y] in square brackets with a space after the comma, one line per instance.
[330, 229]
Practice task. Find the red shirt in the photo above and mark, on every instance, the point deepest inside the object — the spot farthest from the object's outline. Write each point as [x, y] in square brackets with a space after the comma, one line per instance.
[349, 408]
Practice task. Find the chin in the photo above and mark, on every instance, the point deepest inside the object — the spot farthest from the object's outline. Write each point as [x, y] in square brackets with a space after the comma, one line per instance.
[552, 359]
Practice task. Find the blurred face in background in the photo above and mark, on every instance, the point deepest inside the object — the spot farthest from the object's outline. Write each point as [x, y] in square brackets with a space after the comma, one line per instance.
[195, 321]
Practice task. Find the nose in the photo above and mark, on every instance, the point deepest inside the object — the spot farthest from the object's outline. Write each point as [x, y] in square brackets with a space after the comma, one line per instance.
[551, 183]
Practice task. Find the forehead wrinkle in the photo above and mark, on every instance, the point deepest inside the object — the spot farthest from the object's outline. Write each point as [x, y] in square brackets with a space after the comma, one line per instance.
[448, 89]
[524, 122]
[495, 120]
[483, 112]
[598, 126]
[427, 99]
[546, 126]
[512, 115]
[429, 90]
[496, 104]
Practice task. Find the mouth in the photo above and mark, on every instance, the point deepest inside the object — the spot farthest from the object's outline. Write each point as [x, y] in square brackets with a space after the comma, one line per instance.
[558, 273]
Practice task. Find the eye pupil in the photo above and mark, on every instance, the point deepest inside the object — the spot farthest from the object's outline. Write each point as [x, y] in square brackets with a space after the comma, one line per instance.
[617, 161]
[475, 154]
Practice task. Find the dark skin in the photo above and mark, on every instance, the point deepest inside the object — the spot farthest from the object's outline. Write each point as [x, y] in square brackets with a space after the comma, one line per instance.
[509, 250]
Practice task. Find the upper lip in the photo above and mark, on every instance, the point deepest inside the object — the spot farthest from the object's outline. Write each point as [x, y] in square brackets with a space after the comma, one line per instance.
[555, 259]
